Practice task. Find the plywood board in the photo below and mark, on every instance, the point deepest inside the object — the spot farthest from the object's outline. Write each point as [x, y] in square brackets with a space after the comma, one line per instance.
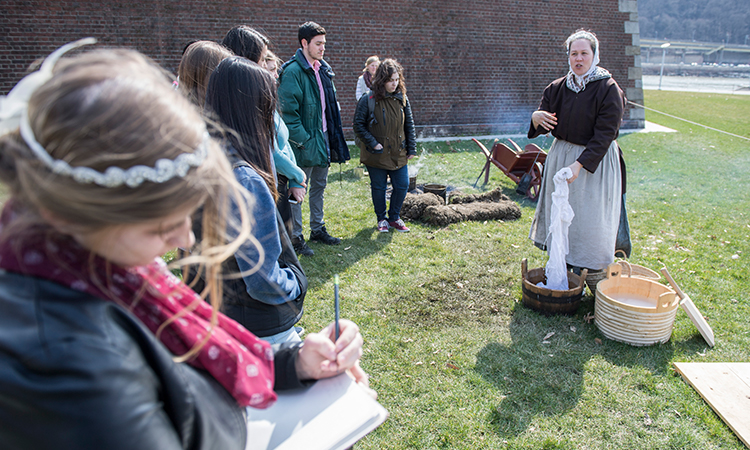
[726, 387]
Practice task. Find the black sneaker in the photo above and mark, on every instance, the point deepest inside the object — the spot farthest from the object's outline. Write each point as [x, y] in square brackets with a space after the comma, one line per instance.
[324, 237]
[300, 246]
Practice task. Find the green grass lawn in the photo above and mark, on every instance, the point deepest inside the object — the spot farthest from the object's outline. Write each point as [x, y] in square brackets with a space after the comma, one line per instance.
[461, 364]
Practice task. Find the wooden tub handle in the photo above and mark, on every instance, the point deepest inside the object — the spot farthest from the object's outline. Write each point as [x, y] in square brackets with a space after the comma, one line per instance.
[614, 270]
[666, 302]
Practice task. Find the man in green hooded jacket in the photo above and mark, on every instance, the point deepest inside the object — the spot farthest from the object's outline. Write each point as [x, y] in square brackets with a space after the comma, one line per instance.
[311, 112]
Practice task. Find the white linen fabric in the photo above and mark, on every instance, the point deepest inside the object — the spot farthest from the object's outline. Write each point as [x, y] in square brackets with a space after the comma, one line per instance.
[595, 199]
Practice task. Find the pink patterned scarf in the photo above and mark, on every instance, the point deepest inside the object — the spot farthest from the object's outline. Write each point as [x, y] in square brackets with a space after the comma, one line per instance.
[238, 360]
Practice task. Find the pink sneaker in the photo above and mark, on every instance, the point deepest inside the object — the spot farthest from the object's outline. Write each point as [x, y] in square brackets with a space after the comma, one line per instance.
[383, 226]
[399, 225]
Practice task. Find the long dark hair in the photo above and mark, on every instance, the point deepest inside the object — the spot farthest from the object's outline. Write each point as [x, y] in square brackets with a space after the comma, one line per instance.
[385, 71]
[245, 41]
[242, 96]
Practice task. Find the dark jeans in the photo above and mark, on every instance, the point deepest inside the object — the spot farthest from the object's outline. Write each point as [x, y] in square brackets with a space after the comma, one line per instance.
[378, 183]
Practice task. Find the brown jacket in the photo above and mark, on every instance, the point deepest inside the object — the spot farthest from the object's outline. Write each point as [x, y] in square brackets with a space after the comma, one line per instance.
[391, 125]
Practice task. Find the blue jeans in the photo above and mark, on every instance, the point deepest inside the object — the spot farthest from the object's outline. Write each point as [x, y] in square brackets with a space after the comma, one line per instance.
[378, 183]
[289, 335]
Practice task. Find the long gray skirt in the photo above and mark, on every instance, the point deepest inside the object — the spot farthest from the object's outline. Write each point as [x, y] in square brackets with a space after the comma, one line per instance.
[595, 199]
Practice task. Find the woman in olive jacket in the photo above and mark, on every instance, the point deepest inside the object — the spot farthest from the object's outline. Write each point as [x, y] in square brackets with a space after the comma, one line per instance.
[384, 124]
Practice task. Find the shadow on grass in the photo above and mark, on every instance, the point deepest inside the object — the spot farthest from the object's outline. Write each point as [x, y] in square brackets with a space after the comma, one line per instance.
[339, 175]
[539, 377]
[331, 259]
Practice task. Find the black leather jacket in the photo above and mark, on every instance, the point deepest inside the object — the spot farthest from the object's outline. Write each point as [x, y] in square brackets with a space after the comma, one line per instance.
[79, 372]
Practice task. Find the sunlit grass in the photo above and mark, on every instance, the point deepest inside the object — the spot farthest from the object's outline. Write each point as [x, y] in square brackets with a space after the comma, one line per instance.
[460, 363]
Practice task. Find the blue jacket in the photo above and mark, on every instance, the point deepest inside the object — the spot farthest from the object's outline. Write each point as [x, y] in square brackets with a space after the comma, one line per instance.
[283, 156]
[270, 283]
[301, 110]
[269, 298]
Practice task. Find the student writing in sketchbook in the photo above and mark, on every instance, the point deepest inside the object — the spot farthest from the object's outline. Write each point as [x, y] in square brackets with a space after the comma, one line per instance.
[104, 348]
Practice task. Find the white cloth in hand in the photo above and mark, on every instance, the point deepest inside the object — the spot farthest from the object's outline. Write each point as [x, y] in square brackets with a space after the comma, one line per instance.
[557, 240]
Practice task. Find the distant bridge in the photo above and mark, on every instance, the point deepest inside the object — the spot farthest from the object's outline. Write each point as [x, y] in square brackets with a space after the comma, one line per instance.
[689, 52]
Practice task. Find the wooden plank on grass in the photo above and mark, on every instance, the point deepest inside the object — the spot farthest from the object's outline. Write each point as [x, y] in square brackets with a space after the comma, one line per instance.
[726, 387]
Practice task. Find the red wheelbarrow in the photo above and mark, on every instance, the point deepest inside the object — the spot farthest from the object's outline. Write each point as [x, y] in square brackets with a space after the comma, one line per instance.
[525, 167]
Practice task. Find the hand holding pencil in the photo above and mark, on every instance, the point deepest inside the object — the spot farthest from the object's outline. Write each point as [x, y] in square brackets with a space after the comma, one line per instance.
[324, 356]
[336, 349]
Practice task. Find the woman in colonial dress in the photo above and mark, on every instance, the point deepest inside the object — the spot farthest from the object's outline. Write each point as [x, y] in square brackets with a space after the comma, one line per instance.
[583, 111]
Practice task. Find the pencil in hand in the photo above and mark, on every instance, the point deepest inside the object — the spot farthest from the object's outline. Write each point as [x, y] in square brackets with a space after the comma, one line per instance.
[336, 303]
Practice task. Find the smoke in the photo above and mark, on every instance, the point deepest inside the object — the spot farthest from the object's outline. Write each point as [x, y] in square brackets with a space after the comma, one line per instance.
[414, 168]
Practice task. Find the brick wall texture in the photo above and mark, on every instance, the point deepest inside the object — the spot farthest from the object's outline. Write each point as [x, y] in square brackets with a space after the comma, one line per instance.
[471, 67]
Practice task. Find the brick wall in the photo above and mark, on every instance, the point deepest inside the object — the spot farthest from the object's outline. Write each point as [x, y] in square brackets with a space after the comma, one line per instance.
[477, 66]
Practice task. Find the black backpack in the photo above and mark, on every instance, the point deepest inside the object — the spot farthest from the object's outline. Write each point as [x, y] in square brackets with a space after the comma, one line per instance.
[371, 108]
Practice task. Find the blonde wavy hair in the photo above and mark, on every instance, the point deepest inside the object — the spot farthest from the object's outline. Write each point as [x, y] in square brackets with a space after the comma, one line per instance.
[116, 108]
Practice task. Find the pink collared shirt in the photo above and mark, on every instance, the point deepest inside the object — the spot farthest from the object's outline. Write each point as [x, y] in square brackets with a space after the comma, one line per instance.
[316, 68]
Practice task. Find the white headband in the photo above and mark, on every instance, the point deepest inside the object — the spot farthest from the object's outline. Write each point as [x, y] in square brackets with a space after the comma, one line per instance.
[14, 115]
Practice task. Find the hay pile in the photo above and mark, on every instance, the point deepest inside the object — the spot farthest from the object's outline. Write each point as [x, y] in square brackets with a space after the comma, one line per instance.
[431, 209]
[492, 196]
